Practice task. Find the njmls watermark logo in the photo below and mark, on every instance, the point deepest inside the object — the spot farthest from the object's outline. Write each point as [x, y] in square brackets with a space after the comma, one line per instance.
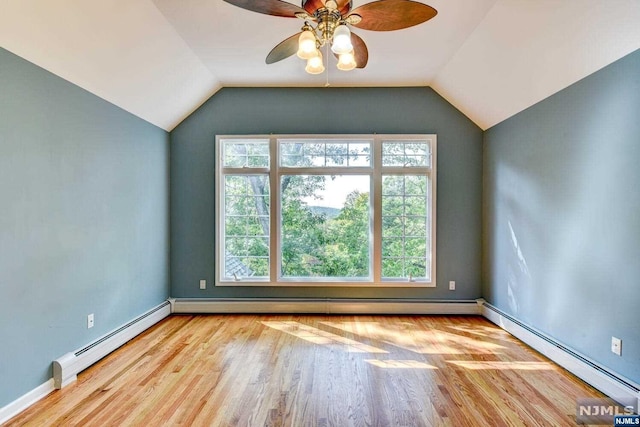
[604, 411]
[626, 420]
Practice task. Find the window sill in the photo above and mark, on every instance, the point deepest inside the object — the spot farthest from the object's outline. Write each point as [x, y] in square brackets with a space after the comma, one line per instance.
[405, 284]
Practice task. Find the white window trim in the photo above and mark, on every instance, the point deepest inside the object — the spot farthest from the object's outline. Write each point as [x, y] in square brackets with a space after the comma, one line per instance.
[376, 171]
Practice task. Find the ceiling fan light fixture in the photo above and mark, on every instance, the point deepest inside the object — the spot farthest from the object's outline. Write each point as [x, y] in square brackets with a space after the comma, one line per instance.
[347, 61]
[306, 45]
[326, 24]
[314, 64]
[341, 40]
[331, 4]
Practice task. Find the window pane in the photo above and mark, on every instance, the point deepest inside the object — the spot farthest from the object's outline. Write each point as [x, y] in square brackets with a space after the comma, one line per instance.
[257, 266]
[325, 226]
[236, 225]
[416, 267]
[234, 246]
[405, 234]
[291, 160]
[416, 161]
[235, 268]
[337, 149]
[416, 148]
[392, 204]
[393, 267]
[336, 160]
[415, 205]
[236, 186]
[406, 153]
[392, 226]
[359, 154]
[415, 225]
[415, 185]
[246, 226]
[392, 247]
[325, 153]
[245, 153]
[415, 247]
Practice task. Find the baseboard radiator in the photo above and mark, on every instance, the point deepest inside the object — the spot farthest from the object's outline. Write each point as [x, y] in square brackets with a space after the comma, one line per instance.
[610, 383]
[67, 367]
[323, 306]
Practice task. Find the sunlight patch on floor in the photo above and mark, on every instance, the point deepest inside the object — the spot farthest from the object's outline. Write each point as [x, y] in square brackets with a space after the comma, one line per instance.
[318, 336]
[423, 342]
[400, 364]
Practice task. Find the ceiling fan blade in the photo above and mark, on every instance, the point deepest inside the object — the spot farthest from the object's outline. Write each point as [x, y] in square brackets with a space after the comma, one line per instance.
[269, 7]
[312, 5]
[360, 51]
[344, 6]
[389, 15]
[283, 50]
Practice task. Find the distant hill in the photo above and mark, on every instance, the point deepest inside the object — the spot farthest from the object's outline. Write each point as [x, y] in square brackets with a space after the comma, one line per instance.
[329, 212]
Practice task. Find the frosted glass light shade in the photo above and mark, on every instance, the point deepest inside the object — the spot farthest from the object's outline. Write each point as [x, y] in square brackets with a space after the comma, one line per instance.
[341, 40]
[306, 45]
[315, 65]
[346, 61]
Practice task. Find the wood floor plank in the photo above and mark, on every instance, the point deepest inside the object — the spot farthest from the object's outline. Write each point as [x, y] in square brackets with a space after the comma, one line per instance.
[317, 371]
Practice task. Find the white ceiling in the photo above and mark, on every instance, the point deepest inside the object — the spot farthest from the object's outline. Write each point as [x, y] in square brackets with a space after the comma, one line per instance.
[161, 59]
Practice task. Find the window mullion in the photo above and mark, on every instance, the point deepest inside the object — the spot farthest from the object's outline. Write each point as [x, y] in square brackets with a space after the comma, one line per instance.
[220, 212]
[274, 211]
[376, 191]
[404, 228]
[431, 213]
[244, 171]
[351, 170]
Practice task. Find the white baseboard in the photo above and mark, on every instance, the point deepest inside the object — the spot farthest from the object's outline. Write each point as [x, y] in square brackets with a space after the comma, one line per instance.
[22, 403]
[323, 306]
[610, 383]
[66, 367]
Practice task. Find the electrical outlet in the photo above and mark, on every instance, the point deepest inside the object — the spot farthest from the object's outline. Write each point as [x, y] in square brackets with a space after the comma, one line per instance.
[90, 321]
[203, 284]
[452, 285]
[616, 346]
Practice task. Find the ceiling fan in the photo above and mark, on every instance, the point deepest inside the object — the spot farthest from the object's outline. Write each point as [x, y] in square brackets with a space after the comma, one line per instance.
[326, 22]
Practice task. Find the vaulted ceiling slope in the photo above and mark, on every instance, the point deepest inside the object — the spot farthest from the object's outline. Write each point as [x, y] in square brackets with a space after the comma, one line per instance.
[160, 59]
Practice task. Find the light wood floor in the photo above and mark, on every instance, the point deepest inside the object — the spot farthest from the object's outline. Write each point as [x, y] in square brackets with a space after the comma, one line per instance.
[231, 370]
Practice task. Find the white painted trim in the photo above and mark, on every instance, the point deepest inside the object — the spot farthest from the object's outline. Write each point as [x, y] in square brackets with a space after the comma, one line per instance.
[375, 171]
[323, 306]
[20, 404]
[66, 367]
[610, 383]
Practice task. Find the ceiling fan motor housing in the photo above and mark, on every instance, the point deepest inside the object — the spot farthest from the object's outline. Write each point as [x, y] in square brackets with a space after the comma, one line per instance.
[327, 20]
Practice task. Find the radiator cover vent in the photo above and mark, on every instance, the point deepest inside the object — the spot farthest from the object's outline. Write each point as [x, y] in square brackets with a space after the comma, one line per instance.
[67, 367]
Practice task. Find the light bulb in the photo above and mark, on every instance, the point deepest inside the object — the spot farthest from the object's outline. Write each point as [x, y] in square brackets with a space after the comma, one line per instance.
[306, 45]
[315, 65]
[331, 5]
[341, 40]
[346, 61]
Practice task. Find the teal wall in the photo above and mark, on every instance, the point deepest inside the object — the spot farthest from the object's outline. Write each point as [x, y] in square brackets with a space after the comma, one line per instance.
[562, 215]
[326, 111]
[84, 220]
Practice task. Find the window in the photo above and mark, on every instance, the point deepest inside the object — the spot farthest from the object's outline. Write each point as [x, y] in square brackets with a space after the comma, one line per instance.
[355, 210]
